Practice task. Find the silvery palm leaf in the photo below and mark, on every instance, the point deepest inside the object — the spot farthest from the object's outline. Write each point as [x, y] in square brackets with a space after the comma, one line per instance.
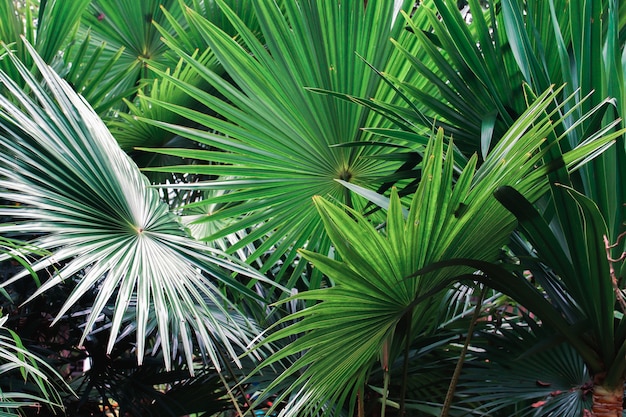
[521, 368]
[81, 199]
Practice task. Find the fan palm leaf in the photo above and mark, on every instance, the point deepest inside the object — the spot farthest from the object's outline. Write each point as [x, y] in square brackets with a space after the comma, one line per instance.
[579, 232]
[128, 28]
[522, 368]
[378, 304]
[578, 43]
[578, 254]
[463, 76]
[109, 61]
[48, 31]
[553, 42]
[86, 203]
[475, 70]
[278, 143]
[579, 298]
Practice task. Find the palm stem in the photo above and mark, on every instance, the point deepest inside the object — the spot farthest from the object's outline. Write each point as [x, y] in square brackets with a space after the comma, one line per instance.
[233, 400]
[237, 384]
[459, 365]
[361, 402]
[405, 365]
[383, 407]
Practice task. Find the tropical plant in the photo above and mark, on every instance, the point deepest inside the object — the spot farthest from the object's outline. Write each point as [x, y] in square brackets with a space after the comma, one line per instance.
[263, 107]
[579, 44]
[48, 30]
[279, 144]
[379, 305]
[579, 298]
[88, 206]
[489, 75]
[474, 71]
[110, 59]
[92, 61]
[26, 381]
[529, 372]
[117, 45]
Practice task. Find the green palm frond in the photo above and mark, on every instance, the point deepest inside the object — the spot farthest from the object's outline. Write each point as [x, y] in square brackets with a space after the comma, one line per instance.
[86, 203]
[378, 303]
[578, 43]
[579, 300]
[573, 245]
[47, 25]
[471, 84]
[278, 144]
[129, 26]
[471, 76]
[87, 68]
[131, 131]
[573, 293]
[109, 62]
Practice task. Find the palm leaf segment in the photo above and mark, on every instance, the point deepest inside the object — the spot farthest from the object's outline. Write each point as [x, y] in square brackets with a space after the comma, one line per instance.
[518, 369]
[377, 291]
[92, 210]
[20, 368]
[110, 53]
[280, 144]
[582, 289]
[471, 76]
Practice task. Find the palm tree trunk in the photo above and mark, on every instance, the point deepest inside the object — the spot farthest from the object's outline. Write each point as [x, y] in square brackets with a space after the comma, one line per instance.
[607, 402]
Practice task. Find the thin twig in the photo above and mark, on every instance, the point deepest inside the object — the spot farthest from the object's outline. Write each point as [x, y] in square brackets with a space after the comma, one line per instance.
[459, 365]
[237, 385]
[405, 366]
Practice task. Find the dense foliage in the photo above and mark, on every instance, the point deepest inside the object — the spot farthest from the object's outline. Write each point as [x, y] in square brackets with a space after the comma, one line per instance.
[307, 208]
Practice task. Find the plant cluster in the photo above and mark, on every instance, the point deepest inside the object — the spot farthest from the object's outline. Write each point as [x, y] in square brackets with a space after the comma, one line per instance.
[312, 208]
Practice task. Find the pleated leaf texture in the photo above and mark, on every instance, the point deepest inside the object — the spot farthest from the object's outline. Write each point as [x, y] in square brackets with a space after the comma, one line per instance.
[84, 201]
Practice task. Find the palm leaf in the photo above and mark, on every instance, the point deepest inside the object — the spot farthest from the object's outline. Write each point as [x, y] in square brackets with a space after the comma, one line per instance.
[579, 257]
[277, 143]
[87, 204]
[470, 85]
[128, 27]
[56, 21]
[578, 43]
[382, 297]
[472, 79]
[522, 369]
[82, 68]
[109, 61]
